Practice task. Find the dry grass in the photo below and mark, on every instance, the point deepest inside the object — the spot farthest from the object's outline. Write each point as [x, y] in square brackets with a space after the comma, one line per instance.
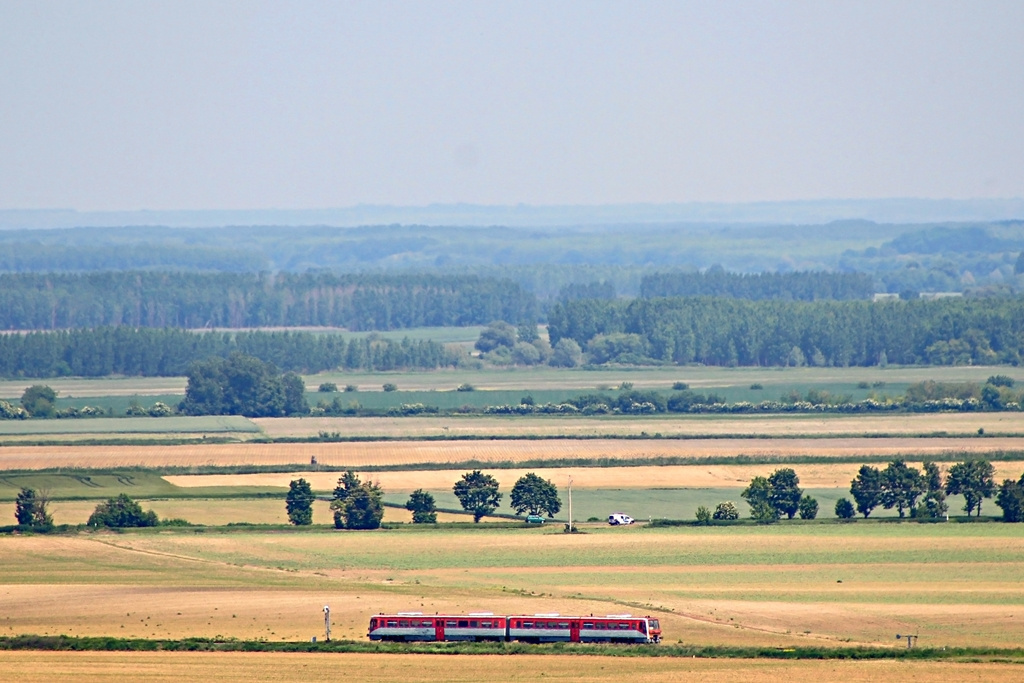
[666, 425]
[671, 476]
[237, 666]
[954, 585]
[407, 452]
[220, 511]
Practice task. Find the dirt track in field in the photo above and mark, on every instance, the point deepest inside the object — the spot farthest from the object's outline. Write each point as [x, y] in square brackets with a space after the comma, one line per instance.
[409, 452]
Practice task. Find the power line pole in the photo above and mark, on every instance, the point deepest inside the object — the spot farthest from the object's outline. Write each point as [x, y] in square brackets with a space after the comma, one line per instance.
[570, 505]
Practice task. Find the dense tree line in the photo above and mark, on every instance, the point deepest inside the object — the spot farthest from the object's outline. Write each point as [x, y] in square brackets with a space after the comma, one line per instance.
[242, 300]
[158, 352]
[33, 257]
[720, 331]
[801, 286]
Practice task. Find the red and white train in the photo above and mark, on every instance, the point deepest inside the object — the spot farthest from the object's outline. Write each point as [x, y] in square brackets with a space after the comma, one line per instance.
[535, 628]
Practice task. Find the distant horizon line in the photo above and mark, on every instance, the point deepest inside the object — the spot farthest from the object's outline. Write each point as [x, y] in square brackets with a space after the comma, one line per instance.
[796, 211]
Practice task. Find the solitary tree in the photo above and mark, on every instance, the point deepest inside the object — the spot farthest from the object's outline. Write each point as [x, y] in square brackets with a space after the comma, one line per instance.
[478, 493]
[1011, 500]
[703, 515]
[901, 487]
[933, 505]
[808, 508]
[866, 489]
[726, 511]
[30, 509]
[120, 512]
[757, 497]
[421, 505]
[535, 495]
[299, 502]
[844, 509]
[974, 481]
[38, 400]
[784, 492]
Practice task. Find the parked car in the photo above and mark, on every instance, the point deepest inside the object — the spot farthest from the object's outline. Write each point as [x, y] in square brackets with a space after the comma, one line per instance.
[617, 518]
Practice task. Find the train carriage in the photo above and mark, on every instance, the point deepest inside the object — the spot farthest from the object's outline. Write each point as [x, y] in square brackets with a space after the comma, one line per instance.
[413, 626]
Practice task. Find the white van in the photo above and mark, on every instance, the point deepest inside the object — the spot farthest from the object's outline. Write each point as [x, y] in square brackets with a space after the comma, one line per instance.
[617, 518]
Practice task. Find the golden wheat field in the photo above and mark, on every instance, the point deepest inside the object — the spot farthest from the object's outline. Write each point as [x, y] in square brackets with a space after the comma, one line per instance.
[836, 475]
[666, 425]
[362, 454]
[237, 666]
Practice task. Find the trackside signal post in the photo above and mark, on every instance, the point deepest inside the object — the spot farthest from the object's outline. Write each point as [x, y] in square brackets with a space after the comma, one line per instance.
[911, 639]
[327, 622]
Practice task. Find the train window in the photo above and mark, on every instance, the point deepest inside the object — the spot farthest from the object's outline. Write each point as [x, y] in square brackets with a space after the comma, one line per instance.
[485, 624]
[527, 624]
[373, 623]
[563, 624]
[392, 624]
[404, 623]
[623, 626]
[601, 625]
[451, 623]
[473, 623]
[463, 623]
[587, 624]
[654, 623]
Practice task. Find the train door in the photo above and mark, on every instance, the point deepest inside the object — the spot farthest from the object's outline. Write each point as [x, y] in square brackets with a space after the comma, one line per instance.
[574, 631]
[439, 630]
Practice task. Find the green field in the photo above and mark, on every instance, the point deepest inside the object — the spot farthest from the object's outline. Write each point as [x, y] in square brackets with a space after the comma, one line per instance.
[212, 424]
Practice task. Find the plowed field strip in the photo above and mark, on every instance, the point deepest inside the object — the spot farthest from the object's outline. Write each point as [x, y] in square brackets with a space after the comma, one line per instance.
[409, 452]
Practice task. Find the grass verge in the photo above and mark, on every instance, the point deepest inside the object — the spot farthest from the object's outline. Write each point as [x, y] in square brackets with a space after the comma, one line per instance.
[109, 644]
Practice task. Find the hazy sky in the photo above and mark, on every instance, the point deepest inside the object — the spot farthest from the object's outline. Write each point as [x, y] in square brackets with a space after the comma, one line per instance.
[246, 105]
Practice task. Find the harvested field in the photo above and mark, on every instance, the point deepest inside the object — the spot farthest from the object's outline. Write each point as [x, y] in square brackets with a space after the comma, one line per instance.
[777, 586]
[670, 476]
[935, 424]
[362, 454]
[238, 666]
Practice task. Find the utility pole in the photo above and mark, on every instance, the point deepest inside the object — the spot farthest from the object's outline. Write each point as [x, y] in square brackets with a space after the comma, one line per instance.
[327, 622]
[570, 505]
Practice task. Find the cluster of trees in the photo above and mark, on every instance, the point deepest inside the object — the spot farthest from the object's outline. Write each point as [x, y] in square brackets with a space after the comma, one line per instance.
[31, 508]
[719, 331]
[503, 344]
[247, 300]
[152, 352]
[778, 495]
[242, 385]
[120, 512]
[798, 286]
[359, 505]
[900, 486]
